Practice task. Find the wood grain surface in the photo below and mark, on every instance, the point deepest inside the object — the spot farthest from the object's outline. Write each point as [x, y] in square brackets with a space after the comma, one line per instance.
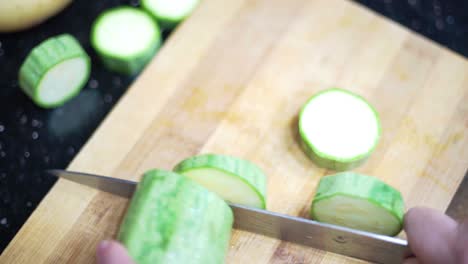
[231, 80]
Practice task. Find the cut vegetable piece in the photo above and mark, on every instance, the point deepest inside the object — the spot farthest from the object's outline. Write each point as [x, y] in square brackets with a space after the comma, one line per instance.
[55, 71]
[236, 180]
[338, 129]
[360, 202]
[126, 39]
[171, 219]
[169, 12]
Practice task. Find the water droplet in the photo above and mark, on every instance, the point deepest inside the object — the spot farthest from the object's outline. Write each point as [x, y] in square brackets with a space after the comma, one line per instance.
[2, 52]
[107, 98]
[3, 175]
[2, 154]
[71, 150]
[28, 204]
[0, 44]
[36, 123]
[22, 161]
[116, 81]
[93, 84]
[23, 119]
[4, 221]
[2, 128]
[134, 2]
[413, 2]
[439, 24]
[437, 8]
[46, 159]
[27, 154]
[35, 135]
[450, 20]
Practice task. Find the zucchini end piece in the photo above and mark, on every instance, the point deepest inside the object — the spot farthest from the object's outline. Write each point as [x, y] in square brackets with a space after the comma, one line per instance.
[360, 202]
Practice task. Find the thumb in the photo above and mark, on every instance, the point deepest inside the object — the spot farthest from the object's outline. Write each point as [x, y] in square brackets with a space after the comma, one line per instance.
[112, 252]
[431, 235]
[461, 244]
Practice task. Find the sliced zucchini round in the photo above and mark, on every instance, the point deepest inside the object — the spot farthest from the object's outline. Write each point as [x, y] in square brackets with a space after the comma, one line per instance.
[338, 129]
[126, 38]
[360, 202]
[169, 13]
[235, 180]
[55, 71]
[171, 219]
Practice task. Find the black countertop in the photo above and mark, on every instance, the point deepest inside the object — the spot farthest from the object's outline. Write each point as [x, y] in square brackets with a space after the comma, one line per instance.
[33, 139]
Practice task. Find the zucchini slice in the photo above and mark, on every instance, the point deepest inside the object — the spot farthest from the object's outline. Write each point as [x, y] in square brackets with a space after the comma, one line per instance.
[360, 202]
[55, 71]
[338, 129]
[171, 219]
[126, 39]
[236, 180]
[169, 13]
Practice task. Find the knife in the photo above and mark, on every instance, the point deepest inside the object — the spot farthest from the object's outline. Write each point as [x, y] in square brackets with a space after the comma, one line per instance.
[341, 240]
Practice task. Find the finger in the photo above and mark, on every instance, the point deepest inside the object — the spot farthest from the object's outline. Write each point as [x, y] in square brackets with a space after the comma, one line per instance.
[412, 260]
[431, 235]
[461, 243]
[111, 252]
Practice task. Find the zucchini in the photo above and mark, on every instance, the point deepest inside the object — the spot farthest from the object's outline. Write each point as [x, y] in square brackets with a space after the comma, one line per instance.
[169, 13]
[360, 202]
[235, 180]
[54, 71]
[338, 129]
[125, 38]
[171, 219]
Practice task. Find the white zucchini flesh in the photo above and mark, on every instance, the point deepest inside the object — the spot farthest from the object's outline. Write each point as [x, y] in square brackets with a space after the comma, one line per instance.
[125, 32]
[227, 185]
[235, 180]
[360, 202]
[339, 129]
[55, 71]
[57, 82]
[357, 213]
[170, 12]
[126, 39]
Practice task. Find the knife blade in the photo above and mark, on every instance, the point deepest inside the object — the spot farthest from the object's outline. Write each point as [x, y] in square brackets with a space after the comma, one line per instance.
[341, 240]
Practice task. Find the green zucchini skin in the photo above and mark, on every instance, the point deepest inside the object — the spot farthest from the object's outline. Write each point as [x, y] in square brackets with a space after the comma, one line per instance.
[324, 160]
[363, 187]
[242, 169]
[125, 64]
[44, 57]
[171, 219]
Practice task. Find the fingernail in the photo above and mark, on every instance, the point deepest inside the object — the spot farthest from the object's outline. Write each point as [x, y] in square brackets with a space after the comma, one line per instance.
[104, 245]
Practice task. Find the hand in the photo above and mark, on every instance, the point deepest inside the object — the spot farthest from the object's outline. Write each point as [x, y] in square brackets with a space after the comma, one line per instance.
[435, 238]
[112, 252]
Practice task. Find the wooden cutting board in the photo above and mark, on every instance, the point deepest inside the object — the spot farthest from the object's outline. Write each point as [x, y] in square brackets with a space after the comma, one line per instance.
[231, 80]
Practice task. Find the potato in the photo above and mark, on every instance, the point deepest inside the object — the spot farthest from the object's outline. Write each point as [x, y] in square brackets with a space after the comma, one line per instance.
[16, 15]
